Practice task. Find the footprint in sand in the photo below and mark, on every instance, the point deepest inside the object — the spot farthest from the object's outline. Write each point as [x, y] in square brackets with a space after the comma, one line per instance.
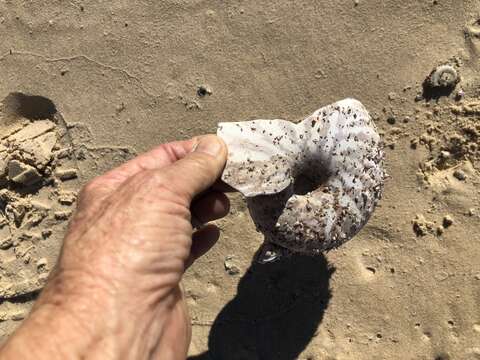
[41, 161]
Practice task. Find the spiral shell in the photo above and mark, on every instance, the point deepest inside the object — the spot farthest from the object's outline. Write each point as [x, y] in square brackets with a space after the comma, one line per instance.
[444, 76]
[310, 186]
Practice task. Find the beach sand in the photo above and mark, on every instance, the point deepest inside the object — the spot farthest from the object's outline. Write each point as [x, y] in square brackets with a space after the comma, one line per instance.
[115, 79]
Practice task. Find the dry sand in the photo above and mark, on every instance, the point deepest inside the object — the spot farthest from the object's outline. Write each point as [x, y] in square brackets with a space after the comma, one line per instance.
[125, 76]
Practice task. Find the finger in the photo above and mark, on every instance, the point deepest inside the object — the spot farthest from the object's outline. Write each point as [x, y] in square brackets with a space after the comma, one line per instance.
[202, 241]
[211, 206]
[156, 158]
[198, 170]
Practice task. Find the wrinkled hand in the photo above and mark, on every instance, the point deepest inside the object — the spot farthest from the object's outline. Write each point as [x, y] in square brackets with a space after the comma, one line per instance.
[115, 290]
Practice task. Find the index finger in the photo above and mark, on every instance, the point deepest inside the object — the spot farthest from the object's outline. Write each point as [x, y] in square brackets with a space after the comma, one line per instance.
[157, 158]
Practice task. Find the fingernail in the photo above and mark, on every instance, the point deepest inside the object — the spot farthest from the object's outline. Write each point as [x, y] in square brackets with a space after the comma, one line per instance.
[210, 145]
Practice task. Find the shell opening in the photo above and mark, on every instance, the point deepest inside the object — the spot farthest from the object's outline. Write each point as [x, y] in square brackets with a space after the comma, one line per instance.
[309, 179]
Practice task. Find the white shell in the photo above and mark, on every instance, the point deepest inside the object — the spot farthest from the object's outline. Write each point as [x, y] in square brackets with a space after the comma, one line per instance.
[310, 186]
[444, 76]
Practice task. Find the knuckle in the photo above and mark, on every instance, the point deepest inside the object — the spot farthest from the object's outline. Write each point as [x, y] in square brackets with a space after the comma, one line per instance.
[161, 186]
[141, 179]
[148, 179]
[156, 177]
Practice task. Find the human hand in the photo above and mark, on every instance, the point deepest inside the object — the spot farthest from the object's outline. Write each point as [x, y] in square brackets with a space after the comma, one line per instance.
[115, 291]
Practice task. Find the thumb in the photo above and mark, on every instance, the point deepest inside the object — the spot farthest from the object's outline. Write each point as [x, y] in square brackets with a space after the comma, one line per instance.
[199, 169]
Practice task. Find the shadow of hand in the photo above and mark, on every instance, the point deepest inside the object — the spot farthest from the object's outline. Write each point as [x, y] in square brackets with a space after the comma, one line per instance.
[275, 313]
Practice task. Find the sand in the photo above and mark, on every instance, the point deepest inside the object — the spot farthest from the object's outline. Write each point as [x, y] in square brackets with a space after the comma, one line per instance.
[125, 76]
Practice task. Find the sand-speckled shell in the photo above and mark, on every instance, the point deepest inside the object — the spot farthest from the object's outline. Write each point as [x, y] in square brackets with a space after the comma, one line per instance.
[310, 186]
[444, 76]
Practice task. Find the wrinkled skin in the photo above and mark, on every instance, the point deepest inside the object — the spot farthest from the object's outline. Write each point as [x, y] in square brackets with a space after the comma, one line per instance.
[115, 292]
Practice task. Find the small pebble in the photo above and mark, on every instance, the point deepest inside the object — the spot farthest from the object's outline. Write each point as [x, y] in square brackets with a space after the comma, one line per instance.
[66, 197]
[23, 174]
[204, 90]
[460, 175]
[447, 221]
[18, 316]
[120, 108]
[445, 154]
[62, 215]
[413, 143]
[230, 266]
[460, 95]
[66, 174]
[42, 264]
[421, 226]
[6, 243]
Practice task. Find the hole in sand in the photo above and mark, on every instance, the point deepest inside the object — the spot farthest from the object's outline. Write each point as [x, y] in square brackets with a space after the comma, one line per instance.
[32, 107]
[442, 356]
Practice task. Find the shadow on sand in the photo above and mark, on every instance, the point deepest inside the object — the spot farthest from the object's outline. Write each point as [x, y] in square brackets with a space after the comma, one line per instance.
[275, 313]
